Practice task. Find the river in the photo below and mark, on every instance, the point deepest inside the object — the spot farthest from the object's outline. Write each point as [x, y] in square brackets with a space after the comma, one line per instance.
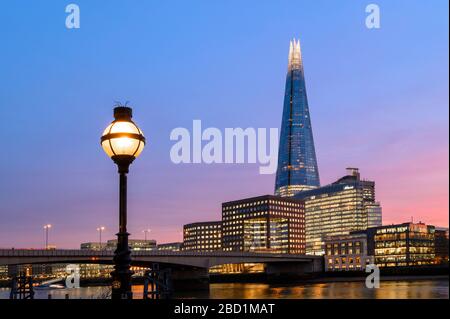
[399, 289]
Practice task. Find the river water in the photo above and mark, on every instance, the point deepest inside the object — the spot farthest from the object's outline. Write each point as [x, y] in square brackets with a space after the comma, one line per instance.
[400, 289]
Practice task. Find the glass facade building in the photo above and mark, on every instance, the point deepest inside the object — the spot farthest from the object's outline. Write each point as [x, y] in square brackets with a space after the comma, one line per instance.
[297, 163]
[342, 207]
[374, 214]
[267, 223]
[407, 244]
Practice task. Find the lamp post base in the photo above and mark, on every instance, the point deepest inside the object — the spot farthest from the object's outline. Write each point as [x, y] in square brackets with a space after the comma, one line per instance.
[121, 276]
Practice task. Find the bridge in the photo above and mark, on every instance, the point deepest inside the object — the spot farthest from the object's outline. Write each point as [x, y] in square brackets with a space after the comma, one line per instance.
[188, 269]
[146, 258]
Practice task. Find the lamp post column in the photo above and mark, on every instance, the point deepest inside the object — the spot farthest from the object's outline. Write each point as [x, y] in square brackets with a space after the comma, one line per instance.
[121, 287]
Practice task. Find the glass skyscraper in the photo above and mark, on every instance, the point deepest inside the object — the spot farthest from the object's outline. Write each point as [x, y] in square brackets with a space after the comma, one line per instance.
[297, 164]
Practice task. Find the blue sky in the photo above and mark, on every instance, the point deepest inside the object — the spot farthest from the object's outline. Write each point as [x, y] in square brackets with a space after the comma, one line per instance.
[378, 101]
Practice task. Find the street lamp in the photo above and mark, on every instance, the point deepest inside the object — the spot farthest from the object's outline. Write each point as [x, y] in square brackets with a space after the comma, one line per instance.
[100, 230]
[46, 228]
[123, 141]
[146, 231]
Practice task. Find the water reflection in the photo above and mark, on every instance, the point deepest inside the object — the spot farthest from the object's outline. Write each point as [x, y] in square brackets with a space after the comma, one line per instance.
[426, 289]
[419, 289]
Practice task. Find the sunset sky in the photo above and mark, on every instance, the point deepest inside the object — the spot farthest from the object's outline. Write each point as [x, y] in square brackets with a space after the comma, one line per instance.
[378, 99]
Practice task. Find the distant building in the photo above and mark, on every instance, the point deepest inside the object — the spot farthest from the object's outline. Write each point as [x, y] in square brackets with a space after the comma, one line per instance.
[264, 224]
[374, 214]
[4, 272]
[203, 236]
[170, 247]
[407, 244]
[347, 252]
[93, 246]
[441, 241]
[40, 271]
[44, 270]
[94, 271]
[135, 244]
[339, 208]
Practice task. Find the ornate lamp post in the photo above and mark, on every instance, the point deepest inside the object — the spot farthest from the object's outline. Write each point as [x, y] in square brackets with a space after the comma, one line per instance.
[123, 141]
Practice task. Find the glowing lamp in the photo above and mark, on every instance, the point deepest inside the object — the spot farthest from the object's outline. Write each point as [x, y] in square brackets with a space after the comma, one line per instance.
[123, 140]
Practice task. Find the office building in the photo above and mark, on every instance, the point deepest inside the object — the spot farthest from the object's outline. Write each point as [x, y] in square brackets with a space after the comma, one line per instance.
[374, 214]
[203, 236]
[408, 244]
[342, 207]
[297, 163]
[93, 246]
[441, 245]
[135, 244]
[95, 270]
[264, 224]
[347, 252]
[177, 246]
[4, 272]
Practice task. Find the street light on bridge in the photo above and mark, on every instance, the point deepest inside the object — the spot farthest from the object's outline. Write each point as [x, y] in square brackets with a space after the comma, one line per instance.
[146, 231]
[46, 229]
[100, 230]
[123, 141]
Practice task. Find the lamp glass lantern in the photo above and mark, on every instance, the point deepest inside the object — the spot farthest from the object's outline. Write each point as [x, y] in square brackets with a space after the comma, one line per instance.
[123, 140]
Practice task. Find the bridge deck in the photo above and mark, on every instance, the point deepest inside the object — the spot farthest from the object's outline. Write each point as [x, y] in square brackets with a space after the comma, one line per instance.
[186, 258]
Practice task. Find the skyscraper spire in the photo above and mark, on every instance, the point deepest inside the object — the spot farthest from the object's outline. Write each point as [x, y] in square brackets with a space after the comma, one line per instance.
[291, 51]
[295, 54]
[297, 163]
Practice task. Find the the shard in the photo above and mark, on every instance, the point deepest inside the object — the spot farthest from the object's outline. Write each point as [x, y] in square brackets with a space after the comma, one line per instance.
[297, 164]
